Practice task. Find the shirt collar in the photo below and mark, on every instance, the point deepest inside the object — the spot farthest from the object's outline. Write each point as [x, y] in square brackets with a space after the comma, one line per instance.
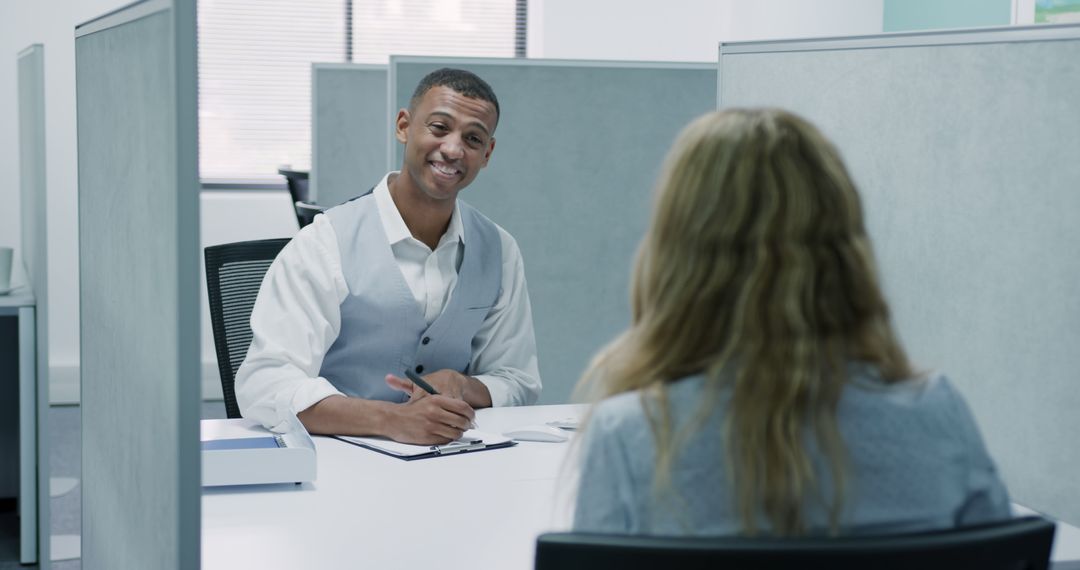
[394, 224]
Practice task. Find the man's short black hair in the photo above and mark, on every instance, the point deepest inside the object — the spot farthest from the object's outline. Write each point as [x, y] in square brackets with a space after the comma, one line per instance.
[465, 82]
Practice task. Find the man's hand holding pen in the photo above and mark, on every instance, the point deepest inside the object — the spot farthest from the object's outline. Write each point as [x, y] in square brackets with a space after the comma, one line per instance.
[428, 418]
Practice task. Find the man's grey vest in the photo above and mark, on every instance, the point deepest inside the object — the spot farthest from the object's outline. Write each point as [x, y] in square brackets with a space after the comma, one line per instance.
[383, 330]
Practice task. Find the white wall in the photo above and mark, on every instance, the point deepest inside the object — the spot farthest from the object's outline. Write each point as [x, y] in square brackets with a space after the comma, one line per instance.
[226, 217]
[674, 30]
[640, 30]
[685, 30]
[744, 20]
[52, 23]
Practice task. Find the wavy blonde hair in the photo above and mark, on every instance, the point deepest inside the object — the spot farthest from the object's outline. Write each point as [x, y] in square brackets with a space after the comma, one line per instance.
[757, 272]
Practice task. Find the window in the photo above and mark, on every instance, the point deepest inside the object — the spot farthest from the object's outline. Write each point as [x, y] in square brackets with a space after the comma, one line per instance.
[254, 82]
[467, 28]
[255, 61]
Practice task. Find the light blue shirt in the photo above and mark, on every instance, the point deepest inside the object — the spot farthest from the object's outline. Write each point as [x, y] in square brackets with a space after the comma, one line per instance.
[916, 462]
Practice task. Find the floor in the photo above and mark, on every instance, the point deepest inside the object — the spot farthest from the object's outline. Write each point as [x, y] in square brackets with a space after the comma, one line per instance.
[65, 454]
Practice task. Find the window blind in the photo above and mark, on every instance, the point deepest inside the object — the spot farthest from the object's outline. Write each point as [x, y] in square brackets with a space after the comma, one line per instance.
[466, 28]
[255, 82]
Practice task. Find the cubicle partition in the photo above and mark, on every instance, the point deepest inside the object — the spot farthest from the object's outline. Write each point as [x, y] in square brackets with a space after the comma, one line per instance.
[139, 290]
[33, 400]
[32, 202]
[579, 147]
[963, 145]
[348, 130]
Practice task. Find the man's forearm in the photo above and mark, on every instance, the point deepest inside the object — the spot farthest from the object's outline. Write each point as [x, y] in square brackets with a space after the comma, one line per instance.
[424, 419]
[476, 393]
[341, 415]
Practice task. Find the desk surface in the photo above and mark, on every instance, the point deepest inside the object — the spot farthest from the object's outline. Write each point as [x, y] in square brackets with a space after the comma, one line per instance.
[21, 296]
[369, 510]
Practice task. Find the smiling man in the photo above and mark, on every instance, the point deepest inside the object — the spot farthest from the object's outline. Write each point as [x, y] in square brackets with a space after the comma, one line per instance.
[405, 277]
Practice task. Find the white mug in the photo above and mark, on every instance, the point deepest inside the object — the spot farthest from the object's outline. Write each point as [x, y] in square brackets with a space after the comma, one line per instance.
[6, 255]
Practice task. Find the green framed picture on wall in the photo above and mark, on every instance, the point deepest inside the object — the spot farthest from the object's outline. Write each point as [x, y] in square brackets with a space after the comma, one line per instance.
[1057, 11]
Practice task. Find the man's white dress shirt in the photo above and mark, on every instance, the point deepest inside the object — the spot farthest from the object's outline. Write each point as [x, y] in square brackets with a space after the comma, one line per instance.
[297, 316]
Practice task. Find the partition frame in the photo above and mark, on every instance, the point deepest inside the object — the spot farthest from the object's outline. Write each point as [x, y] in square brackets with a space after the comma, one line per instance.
[392, 155]
[998, 35]
[964, 36]
[34, 522]
[34, 477]
[184, 537]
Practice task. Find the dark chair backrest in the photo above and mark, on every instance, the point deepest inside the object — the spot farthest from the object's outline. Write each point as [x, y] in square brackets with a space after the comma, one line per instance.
[306, 212]
[297, 181]
[234, 272]
[1018, 544]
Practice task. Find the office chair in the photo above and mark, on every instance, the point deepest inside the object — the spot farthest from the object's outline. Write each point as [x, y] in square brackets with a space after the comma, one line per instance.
[234, 272]
[1017, 544]
[306, 211]
[297, 181]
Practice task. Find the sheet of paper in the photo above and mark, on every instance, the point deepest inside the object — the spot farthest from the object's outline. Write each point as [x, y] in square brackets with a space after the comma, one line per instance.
[570, 423]
[408, 450]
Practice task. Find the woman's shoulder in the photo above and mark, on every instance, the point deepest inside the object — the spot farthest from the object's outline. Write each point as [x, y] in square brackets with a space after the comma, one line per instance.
[628, 409]
[923, 386]
[618, 411]
[927, 395]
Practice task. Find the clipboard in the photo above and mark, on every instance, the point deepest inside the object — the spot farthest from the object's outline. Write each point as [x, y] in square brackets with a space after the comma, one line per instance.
[472, 440]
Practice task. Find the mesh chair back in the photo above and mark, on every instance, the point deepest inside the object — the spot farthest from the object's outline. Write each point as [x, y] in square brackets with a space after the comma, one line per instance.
[234, 272]
[1018, 544]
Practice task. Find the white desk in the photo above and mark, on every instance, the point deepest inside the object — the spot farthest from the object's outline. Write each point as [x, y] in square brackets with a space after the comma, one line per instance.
[368, 510]
[33, 499]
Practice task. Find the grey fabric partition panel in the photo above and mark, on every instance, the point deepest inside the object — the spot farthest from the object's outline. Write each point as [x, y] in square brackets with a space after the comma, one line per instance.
[139, 286]
[34, 250]
[32, 168]
[578, 148]
[963, 145]
[348, 130]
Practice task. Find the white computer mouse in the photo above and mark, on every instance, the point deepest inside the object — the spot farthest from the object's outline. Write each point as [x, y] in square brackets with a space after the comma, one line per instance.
[537, 432]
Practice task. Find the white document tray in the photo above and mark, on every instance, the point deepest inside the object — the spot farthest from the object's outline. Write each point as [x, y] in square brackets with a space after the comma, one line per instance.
[240, 465]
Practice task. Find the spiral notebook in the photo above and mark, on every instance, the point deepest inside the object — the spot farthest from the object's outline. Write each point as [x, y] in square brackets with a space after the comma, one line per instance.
[471, 440]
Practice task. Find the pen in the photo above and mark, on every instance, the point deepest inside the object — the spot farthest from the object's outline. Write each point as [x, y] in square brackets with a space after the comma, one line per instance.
[420, 382]
[456, 446]
[416, 379]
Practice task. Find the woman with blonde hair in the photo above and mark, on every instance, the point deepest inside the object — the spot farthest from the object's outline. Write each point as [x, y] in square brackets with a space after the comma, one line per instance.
[760, 388]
